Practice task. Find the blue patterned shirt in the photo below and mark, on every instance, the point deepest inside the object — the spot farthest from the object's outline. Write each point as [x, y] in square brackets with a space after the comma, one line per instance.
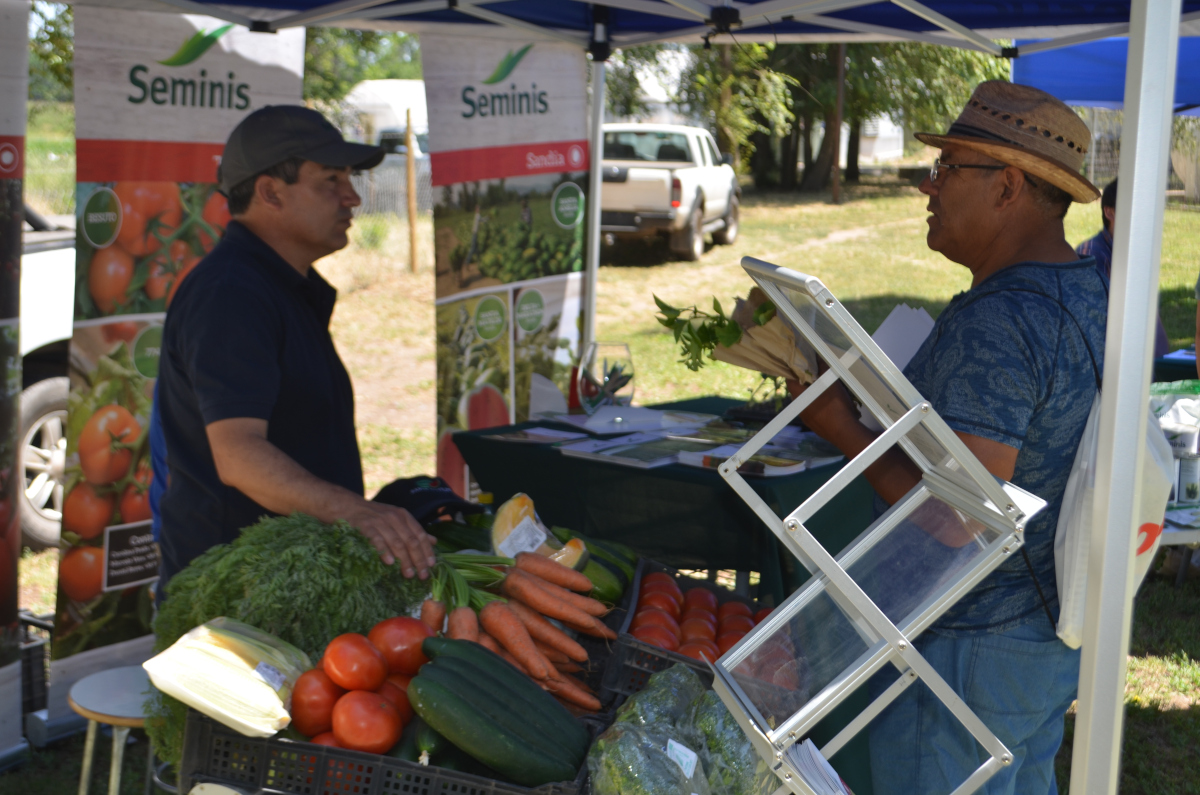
[1005, 362]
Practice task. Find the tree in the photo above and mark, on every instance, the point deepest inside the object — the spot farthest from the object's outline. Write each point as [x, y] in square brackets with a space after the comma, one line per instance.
[623, 78]
[737, 93]
[52, 52]
[335, 60]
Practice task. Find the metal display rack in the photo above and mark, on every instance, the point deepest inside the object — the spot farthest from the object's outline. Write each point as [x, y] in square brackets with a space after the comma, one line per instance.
[862, 609]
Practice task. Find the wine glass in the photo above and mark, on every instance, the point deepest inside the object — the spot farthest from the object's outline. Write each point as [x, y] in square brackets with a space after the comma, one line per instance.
[605, 376]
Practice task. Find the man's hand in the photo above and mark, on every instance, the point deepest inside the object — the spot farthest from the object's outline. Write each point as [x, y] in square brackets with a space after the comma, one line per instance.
[395, 533]
[249, 463]
[832, 411]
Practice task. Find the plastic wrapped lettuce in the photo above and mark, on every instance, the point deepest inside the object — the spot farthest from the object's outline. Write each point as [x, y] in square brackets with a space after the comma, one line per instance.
[665, 700]
[629, 760]
[732, 765]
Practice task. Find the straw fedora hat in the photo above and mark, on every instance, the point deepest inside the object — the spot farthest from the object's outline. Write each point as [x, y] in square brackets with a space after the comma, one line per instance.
[1027, 128]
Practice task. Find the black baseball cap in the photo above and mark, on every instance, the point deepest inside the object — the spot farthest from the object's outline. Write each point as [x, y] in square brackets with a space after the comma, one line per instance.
[272, 134]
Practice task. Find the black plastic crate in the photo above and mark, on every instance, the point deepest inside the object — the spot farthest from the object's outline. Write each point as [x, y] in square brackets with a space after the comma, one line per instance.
[214, 753]
[35, 637]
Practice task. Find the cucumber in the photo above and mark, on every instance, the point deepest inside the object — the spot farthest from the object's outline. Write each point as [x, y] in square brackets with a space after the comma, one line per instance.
[407, 749]
[536, 699]
[606, 587]
[429, 741]
[481, 737]
[459, 536]
[618, 555]
[505, 707]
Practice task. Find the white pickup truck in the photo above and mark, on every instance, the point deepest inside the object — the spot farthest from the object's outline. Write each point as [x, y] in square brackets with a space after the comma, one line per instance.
[666, 179]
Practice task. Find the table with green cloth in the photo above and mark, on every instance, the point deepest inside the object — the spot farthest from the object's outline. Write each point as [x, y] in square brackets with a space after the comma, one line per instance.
[680, 515]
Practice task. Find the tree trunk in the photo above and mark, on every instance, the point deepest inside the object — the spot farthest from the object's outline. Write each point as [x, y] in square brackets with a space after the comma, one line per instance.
[816, 177]
[808, 152]
[787, 158]
[762, 161]
[852, 146]
[727, 100]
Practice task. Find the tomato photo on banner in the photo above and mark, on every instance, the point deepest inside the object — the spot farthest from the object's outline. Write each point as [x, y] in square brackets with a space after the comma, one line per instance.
[108, 558]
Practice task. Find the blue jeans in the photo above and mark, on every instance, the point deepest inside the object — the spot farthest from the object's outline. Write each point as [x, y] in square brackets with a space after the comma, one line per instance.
[1019, 682]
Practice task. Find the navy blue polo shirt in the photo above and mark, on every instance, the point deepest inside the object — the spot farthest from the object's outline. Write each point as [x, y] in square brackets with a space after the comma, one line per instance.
[247, 336]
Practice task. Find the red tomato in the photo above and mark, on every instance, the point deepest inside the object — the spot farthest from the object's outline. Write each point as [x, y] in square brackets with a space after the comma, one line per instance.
[85, 512]
[726, 640]
[216, 215]
[701, 598]
[365, 721]
[659, 576]
[80, 573]
[326, 739]
[657, 636]
[398, 699]
[401, 681]
[135, 502]
[734, 609]
[354, 663]
[735, 623]
[671, 590]
[101, 460]
[660, 601]
[164, 269]
[125, 331]
[652, 615]
[109, 275]
[400, 641]
[313, 698]
[700, 650]
[697, 628]
[761, 615]
[189, 265]
[703, 615]
[145, 205]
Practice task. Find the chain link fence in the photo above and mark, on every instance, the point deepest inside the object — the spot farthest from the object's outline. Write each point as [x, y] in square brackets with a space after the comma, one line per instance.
[384, 189]
[1104, 157]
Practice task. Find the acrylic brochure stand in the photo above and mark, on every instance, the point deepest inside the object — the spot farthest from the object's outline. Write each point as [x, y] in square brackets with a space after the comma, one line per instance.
[861, 610]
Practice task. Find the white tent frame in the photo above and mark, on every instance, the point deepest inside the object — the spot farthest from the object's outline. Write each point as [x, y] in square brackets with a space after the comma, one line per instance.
[1153, 31]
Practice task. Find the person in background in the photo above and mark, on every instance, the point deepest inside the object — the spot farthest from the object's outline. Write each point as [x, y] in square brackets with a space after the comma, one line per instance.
[1100, 247]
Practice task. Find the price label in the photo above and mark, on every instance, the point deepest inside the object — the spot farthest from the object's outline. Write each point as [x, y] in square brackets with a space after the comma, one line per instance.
[273, 676]
[684, 757]
[525, 537]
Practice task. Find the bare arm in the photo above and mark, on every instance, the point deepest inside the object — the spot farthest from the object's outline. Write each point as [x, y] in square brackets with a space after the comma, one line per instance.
[254, 466]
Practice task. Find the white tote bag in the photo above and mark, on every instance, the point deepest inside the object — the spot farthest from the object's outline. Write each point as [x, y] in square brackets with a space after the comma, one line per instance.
[1074, 534]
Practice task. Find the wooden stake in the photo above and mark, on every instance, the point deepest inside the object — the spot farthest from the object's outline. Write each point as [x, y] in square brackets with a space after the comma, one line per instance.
[837, 123]
[410, 160]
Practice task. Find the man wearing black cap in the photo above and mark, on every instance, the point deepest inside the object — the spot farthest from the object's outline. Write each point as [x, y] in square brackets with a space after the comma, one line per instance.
[257, 408]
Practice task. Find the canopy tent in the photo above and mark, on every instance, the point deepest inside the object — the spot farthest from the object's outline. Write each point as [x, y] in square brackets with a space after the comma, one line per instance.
[1153, 27]
[1093, 74]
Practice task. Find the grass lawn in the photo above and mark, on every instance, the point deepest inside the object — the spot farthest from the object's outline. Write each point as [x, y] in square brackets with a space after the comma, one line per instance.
[871, 252]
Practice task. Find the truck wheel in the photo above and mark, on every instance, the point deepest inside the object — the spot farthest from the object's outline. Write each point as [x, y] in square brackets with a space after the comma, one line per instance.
[728, 235]
[688, 243]
[41, 457]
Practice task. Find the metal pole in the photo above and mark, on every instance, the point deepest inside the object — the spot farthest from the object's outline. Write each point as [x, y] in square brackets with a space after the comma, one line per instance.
[410, 162]
[837, 123]
[595, 180]
[1137, 244]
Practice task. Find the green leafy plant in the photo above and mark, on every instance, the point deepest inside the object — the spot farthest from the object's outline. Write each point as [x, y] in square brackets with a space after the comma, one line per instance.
[699, 332]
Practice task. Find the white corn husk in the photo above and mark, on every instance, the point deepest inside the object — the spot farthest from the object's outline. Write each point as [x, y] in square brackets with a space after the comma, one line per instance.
[772, 349]
[233, 673]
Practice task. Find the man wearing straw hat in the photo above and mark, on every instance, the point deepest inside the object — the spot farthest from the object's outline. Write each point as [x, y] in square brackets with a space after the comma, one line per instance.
[1012, 365]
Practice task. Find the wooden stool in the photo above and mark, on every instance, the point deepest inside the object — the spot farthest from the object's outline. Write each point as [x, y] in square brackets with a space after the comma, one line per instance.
[114, 697]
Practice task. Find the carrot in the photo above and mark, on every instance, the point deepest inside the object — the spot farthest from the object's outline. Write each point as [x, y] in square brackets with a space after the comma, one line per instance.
[433, 614]
[489, 643]
[503, 625]
[546, 633]
[567, 667]
[574, 710]
[568, 689]
[595, 627]
[553, 571]
[588, 605]
[523, 587]
[463, 624]
[549, 652]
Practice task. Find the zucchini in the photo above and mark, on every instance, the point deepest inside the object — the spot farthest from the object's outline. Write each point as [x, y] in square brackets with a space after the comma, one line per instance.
[456, 535]
[618, 555]
[481, 737]
[506, 707]
[536, 699]
[429, 741]
[606, 586]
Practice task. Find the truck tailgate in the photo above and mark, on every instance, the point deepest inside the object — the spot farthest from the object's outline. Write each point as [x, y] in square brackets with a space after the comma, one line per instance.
[632, 187]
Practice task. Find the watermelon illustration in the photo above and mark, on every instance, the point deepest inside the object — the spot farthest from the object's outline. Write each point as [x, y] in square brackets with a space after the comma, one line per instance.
[451, 466]
[483, 407]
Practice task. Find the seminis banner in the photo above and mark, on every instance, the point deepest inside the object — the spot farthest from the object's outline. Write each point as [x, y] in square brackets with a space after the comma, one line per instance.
[509, 152]
[156, 96]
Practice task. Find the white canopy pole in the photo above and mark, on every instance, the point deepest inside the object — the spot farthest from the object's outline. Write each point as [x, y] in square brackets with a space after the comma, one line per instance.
[1132, 305]
[595, 181]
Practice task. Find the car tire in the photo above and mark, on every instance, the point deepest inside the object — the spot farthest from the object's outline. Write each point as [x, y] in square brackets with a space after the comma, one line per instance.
[728, 235]
[688, 243]
[41, 456]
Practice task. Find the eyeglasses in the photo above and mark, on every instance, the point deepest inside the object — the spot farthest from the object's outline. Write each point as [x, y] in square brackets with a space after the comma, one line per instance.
[938, 165]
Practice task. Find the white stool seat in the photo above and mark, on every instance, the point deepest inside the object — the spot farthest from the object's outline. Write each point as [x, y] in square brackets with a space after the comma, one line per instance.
[115, 697]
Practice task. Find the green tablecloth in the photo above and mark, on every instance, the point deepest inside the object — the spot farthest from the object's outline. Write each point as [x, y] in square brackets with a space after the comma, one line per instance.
[680, 515]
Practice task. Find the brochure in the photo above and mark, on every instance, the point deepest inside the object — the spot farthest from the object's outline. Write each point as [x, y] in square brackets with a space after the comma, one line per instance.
[640, 450]
[818, 774]
[538, 435]
[772, 460]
